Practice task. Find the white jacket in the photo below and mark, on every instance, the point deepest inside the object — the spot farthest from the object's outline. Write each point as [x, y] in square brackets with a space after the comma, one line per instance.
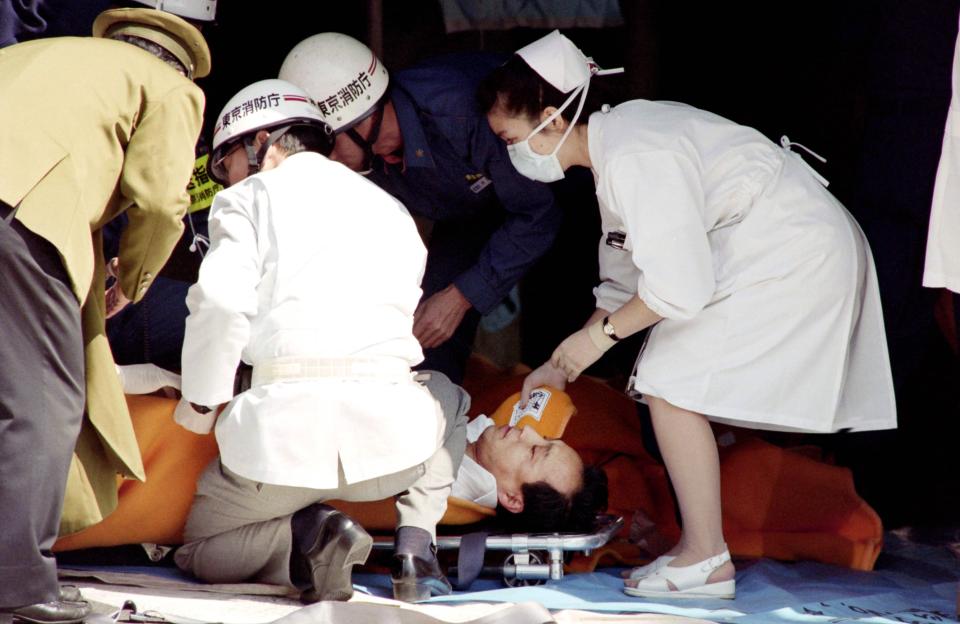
[310, 260]
[767, 287]
[942, 266]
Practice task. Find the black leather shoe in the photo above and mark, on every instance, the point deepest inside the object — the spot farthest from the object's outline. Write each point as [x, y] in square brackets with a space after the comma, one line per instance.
[415, 578]
[327, 544]
[56, 612]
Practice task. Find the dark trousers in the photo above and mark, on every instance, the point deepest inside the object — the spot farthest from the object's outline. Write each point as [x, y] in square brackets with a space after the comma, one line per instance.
[151, 331]
[41, 406]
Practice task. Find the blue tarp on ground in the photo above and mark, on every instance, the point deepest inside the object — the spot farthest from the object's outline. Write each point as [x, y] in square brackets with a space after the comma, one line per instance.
[913, 583]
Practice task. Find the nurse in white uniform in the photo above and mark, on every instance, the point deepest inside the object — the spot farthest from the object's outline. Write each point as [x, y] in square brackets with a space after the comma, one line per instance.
[942, 266]
[759, 285]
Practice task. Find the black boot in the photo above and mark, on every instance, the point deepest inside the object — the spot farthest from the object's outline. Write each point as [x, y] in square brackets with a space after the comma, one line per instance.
[54, 612]
[415, 572]
[326, 546]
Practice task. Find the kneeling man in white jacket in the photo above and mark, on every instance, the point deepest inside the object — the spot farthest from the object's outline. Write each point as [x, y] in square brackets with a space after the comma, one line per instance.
[312, 277]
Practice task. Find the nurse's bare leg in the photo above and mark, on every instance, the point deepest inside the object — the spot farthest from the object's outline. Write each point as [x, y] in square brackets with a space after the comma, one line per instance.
[689, 452]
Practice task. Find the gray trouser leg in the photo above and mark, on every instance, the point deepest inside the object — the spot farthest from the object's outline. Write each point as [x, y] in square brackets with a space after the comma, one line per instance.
[41, 406]
[239, 529]
[423, 504]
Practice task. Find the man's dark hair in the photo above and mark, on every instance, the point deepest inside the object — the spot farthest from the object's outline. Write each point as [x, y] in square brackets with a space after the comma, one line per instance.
[306, 138]
[155, 49]
[546, 510]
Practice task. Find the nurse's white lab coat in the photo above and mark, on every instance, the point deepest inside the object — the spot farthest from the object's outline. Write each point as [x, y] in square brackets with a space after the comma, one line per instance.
[310, 260]
[942, 266]
[768, 291]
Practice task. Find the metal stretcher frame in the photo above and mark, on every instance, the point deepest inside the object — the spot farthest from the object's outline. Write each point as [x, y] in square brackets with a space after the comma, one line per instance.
[524, 564]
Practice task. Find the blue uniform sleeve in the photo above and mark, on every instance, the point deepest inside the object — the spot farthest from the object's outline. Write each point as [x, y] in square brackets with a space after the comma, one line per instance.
[530, 226]
[444, 90]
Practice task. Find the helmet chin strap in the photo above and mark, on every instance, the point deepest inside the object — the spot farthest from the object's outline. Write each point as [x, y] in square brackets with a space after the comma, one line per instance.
[271, 139]
[253, 163]
[367, 144]
[255, 157]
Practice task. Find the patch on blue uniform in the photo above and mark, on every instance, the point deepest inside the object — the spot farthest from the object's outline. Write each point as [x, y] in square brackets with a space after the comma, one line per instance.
[481, 183]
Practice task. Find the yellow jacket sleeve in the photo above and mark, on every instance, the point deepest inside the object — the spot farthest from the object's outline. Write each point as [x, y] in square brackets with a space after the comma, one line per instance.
[157, 166]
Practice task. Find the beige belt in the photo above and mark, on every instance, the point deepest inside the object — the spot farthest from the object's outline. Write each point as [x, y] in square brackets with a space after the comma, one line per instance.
[275, 370]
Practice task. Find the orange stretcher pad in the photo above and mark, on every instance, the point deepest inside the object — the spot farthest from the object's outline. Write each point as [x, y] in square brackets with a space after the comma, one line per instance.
[777, 503]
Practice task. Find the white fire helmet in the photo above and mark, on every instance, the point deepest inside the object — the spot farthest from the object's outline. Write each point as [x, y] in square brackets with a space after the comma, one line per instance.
[342, 75]
[264, 105]
[200, 10]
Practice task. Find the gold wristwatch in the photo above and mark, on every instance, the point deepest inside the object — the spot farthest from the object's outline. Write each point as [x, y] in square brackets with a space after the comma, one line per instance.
[610, 330]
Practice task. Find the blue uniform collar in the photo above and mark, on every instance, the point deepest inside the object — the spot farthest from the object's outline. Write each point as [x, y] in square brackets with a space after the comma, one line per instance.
[416, 150]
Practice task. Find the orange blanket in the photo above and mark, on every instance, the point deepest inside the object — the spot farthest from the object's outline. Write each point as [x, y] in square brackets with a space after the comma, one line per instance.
[155, 510]
[776, 503]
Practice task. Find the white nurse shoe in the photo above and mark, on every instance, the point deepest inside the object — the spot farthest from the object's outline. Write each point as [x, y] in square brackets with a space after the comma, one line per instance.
[646, 570]
[685, 582]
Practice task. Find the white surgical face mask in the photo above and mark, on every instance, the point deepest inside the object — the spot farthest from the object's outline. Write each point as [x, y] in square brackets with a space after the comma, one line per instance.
[545, 167]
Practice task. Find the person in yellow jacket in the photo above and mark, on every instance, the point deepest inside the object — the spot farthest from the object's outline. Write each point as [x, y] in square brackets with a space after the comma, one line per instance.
[92, 127]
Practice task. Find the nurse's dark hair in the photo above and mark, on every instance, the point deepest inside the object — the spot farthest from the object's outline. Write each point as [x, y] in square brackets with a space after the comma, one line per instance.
[515, 89]
[546, 510]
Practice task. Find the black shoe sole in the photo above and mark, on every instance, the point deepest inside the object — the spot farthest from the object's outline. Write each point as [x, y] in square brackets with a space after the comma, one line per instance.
[29, 620]
[18, 618]
[332, 559]
[421, 589]
[410, 592]
[80, 611]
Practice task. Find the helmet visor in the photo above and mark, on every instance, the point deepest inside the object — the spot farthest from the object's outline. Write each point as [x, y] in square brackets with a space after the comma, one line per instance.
[218, 165]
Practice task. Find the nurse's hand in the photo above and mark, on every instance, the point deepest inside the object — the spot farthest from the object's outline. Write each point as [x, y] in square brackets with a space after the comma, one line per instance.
[575, 354]
[546, 375]
[439, 316]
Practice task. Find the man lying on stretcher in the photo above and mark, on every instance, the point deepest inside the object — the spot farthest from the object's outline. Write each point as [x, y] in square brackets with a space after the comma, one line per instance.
[537, 484]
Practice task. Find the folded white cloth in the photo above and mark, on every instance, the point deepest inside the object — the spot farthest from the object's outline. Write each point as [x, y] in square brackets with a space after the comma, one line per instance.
[146, 378]
[192, 420]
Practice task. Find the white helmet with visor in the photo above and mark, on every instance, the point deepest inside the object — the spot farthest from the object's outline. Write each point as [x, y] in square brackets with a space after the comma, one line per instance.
[343, 75]
[348, 82]
[273, 105]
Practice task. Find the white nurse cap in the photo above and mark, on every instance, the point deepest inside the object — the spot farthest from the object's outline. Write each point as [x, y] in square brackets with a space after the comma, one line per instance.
[558, 61]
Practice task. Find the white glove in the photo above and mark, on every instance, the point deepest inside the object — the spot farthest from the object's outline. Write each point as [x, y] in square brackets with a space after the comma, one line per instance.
[192, 420]
[146, 378]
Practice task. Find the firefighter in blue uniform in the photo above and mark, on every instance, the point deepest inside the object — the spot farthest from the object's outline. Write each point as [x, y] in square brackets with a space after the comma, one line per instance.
[420, 136]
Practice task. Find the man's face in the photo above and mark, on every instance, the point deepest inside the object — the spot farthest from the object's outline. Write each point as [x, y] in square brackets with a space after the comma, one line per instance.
[346, 151]
[236, 164]
[517, 456]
